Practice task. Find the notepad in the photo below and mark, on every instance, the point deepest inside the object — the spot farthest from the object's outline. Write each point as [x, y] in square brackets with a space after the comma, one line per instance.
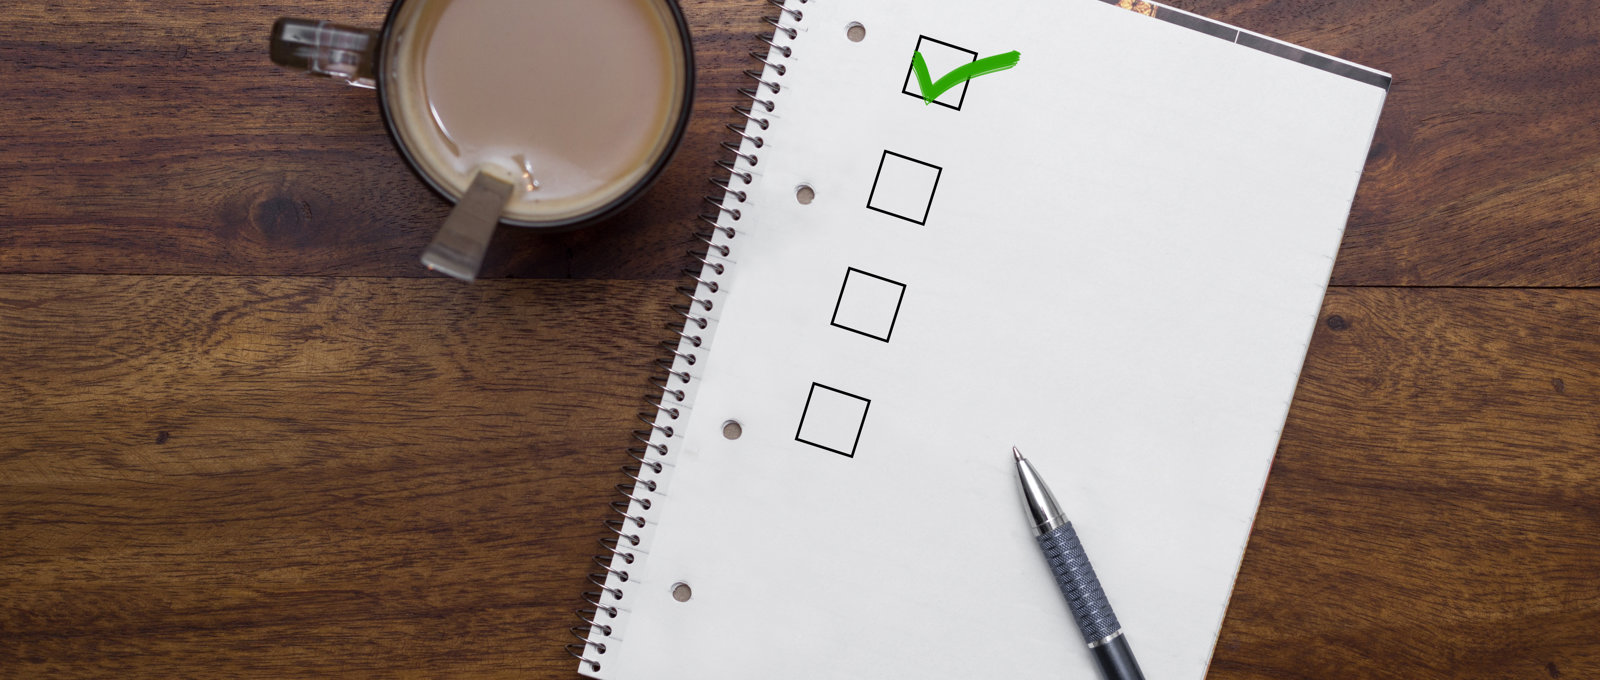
[1111, 256]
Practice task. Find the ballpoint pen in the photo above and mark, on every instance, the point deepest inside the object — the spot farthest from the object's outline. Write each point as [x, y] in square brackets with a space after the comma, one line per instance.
[1064, 553]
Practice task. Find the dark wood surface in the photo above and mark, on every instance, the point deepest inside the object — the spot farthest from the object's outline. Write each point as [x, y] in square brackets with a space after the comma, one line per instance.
[1432, 510]
[156, 138]
[243, 435]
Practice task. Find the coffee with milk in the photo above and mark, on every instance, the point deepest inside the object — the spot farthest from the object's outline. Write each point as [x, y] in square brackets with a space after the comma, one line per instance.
[569, 100]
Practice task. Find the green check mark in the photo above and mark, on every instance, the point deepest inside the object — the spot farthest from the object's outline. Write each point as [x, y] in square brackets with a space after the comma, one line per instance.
[931, 89]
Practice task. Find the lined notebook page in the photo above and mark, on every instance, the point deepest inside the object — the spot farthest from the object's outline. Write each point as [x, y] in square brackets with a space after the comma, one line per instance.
[1111, 256]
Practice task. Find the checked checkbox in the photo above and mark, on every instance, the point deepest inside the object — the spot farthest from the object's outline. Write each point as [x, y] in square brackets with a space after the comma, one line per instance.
[942, 57]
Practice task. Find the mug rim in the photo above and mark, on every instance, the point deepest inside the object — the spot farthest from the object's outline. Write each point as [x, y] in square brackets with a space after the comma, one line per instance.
[608, 209]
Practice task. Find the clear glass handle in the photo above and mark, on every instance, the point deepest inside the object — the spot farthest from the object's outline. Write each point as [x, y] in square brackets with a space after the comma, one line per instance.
[327, 49]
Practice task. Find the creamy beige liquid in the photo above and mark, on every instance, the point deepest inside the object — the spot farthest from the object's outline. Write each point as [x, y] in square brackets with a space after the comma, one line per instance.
[573, 100]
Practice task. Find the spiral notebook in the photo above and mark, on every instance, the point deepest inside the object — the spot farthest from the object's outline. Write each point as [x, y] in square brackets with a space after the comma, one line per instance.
[1111, 255]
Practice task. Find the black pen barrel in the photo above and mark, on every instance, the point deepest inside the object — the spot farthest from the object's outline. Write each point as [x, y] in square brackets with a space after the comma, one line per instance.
[1116, 660]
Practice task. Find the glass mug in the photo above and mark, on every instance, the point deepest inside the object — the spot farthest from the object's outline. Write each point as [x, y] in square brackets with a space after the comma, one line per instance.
[549, 114]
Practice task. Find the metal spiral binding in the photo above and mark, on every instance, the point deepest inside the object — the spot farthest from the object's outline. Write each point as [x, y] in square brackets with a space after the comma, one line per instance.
[671, 393]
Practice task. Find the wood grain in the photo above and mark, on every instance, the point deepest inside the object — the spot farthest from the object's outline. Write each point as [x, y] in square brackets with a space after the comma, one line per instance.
[266, 477]
[148, 137]
[1483, 168]
[222, 456]
[233, 476]
[1432, 511]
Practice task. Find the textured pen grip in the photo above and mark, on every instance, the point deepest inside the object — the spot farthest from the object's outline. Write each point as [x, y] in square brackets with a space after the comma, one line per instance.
[1078, 583]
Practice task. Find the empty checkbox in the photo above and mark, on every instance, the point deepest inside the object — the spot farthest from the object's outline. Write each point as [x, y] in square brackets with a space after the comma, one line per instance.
[868, 304]
[833, 420]
[904, 187]
[942, 58]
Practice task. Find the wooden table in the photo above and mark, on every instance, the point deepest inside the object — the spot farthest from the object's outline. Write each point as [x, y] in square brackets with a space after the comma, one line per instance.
[242, 434]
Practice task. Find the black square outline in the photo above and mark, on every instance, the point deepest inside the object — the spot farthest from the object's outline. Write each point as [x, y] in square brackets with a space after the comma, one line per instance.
[863, 426]
[940, 173]
[910, 77]
[835, 320]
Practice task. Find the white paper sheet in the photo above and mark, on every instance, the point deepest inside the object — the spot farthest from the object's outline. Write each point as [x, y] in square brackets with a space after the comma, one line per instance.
[1118, 271]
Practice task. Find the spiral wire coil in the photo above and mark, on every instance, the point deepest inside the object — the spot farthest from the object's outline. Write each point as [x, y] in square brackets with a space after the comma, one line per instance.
[671, 384]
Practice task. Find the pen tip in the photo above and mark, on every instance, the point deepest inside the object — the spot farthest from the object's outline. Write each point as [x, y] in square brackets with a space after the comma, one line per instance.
[1016, 453]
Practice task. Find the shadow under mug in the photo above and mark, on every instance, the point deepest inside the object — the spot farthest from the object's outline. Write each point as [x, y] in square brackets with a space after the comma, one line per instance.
[362, 58]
